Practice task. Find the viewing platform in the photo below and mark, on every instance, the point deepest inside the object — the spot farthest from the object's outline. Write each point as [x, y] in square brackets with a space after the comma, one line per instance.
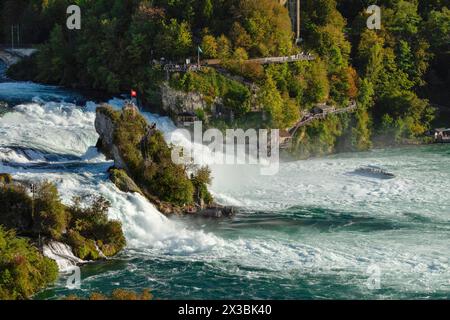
[319, 112]
[269, 60]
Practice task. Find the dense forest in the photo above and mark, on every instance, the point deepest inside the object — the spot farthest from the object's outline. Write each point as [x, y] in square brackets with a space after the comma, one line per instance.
[396, 74]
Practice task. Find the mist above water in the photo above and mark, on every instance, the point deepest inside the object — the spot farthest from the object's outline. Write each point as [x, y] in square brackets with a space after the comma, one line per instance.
[313, 220]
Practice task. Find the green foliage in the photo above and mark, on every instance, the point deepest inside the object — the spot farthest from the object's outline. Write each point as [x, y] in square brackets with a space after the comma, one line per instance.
[89, 220]
[23, 270]
[237, 98]
[175, 39]
[23, 71]
[271, 100]
[50, 217]
[262, 28]
[394, 63]
[84, 224]
[83, 248]
[149, 158]
[408, 57]
[209, 46]
[117, 295]
[201, 179]
[403, 117]
[437, 28]
[324, 30]
[318, 85]
[319, 138]
[54, 61]
[15, 206]
[121, 179]
[361, 132]
[126, 35]
[212, 85]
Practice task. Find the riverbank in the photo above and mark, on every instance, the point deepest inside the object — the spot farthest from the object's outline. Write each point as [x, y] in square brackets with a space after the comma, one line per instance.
[309, 232]
[319, 139]
[68, 234]
[314, 240]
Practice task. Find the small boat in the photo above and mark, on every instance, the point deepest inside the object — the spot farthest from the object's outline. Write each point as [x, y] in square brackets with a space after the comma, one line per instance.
[375, 172]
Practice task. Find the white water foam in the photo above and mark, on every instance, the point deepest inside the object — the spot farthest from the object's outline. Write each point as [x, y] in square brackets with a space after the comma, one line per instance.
[53, 127]
[67, 130]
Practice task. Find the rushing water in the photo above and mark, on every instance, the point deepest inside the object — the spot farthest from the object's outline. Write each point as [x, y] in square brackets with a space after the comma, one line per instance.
[313, 231]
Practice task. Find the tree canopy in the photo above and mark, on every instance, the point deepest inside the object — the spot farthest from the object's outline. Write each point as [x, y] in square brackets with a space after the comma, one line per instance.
[407, 61]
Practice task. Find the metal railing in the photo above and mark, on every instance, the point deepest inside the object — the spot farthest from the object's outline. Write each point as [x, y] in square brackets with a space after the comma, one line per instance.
[310, 117]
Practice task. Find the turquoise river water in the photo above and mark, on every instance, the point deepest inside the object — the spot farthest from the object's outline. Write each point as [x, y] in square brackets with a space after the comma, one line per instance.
[313, 231]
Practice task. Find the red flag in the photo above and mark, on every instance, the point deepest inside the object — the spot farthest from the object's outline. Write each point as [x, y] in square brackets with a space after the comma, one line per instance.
[133, 94]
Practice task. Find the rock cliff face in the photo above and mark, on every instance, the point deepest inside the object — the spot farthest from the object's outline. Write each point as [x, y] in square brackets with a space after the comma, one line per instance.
[105, 128]
[143, 164]
[174, 101]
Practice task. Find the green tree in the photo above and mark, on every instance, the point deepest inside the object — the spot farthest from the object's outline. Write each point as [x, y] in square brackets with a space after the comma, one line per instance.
[318, 84]
[272, 101]
[50, 216]
[209, 46]
[175, 40]
[23, 270]
[437, 28]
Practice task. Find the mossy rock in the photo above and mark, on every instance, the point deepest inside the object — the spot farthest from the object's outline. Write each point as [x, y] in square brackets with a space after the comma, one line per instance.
[83, 248]
[147, 158]
[109, 111]
[122, 181]
[109, 250]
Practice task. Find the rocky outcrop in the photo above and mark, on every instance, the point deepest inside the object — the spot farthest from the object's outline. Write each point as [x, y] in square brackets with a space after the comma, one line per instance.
[216, 211]
[175, 101]
[121, 179]
[62, 254]
[143, 165]
[105, 128]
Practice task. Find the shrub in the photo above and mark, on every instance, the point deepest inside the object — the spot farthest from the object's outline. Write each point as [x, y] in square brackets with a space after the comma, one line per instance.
[23, 270]
[149, 159]
[121, 179]
[83, 248]
[83, 225]
[201, 179]
[121, 294]
[90, 225]
[50, 214]
[118, 294]
[15, 208]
